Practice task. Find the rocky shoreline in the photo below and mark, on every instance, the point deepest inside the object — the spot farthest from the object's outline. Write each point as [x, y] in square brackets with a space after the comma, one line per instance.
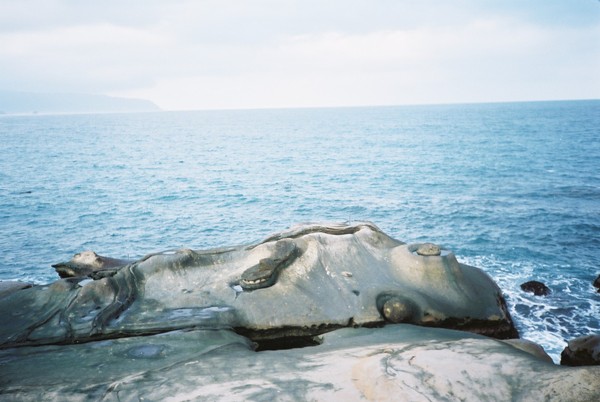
[314, 312]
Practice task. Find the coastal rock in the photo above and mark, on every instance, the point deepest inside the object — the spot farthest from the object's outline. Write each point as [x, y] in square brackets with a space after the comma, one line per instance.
[317, 312]
[395, 363]
[8, 287]
[582, 351]
[530, 347]
[597, 283]
[536, 287]
[88, 263]
[298, 283]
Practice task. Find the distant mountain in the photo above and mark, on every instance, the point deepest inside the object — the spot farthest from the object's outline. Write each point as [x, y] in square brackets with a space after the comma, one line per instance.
[12, 102]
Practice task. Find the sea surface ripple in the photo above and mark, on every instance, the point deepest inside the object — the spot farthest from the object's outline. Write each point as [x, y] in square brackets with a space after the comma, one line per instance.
[513, 188]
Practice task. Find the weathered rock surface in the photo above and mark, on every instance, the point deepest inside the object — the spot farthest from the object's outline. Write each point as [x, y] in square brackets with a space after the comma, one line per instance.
[188, 325]
[395, 363]
[582, 351]
[302, 282]
[8, 287]
[536, 287]
[88, 263]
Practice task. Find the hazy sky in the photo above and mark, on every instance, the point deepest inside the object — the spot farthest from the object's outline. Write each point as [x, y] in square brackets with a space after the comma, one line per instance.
[207, 54]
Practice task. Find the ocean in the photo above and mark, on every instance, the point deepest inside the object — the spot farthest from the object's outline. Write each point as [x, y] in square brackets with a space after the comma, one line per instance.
[512, 188]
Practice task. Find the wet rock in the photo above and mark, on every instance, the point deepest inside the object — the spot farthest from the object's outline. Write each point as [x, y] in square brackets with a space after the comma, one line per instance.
[88, 263]
[295, 283]
[398, 362]
[582, 351]
[597, 283]
[535, 287]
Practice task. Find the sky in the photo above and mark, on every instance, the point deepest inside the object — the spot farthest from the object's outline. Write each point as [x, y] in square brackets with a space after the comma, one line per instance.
[229, 54]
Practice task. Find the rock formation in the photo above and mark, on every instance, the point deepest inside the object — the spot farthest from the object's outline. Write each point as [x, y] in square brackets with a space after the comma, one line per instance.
[395, 363]
[90, 264]
[582, 351]
[8, 287]
[302, 282]
[536, 287]
[187, 324]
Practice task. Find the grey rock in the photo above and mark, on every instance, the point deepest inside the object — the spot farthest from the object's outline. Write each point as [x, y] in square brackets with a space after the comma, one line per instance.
[8, 287]
[582, 351]
[88, 263]
[429, 249]
[302, 282]
[265, 273]
[277, 320]
[395, 363]
[530, 347]
[397, 309]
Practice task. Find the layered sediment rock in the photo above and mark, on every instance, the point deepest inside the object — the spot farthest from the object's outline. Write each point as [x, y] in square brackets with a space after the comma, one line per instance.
[395, 363]
[303, 282]
[236, 323]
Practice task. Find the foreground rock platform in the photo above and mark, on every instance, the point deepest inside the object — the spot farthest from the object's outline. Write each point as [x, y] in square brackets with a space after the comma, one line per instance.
[314, 312]
[302, 282]
[396, 363]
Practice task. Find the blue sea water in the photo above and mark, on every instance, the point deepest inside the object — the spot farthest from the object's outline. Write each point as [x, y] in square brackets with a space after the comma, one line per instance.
[513, 188]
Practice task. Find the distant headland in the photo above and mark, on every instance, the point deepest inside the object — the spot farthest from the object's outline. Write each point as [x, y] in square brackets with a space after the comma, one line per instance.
[14, 102]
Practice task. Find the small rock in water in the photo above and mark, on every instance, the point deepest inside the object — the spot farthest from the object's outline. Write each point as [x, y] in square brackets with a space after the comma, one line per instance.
[535, 287]
[597, 284]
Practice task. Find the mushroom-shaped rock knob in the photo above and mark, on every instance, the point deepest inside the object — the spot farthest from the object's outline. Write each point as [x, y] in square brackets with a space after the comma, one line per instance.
[397, 310]
[429, 249]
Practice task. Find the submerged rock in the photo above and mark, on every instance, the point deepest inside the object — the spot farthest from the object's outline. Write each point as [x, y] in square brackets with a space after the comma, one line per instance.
[536, 287]
[302, 282]
[582, 351]
[395, 363]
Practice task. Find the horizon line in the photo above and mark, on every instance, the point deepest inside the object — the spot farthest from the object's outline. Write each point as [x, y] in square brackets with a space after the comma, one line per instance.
[458, 103]
[265, 108]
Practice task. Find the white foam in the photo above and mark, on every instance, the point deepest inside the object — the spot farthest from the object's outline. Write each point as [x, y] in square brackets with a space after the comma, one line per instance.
[568, 312]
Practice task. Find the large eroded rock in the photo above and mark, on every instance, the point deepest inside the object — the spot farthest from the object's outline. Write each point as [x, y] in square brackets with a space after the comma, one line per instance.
[235, 324]
[302, 282]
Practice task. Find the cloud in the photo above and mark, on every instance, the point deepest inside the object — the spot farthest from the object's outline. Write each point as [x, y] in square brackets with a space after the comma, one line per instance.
[85, 58]
[486, 60]
[187, 54]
